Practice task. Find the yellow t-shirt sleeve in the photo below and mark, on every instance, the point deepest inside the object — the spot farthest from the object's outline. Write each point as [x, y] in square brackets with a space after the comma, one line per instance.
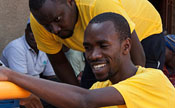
[46, 41]
[150, 90]
[101, 6]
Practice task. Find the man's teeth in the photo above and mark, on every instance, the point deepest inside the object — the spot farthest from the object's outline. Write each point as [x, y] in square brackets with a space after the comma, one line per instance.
[99, 66]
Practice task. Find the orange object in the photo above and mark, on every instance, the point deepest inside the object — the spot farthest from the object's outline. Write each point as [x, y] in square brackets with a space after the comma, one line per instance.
[9, 90]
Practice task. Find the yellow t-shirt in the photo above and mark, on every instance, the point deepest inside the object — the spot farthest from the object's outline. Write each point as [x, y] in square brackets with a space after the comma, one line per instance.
[145, 16]
[88, 9]
[149, 88]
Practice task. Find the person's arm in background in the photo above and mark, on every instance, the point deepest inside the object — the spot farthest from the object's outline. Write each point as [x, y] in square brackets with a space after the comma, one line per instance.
[62, 68]
[77, 61]
[137, 52]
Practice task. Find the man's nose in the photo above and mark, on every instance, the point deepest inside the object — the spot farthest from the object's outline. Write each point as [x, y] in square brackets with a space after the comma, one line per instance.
[96, 54]
[55, 28]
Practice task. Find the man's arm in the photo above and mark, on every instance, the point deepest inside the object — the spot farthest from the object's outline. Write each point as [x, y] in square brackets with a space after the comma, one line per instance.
[137, 52]
[63, 68]
[63, 95]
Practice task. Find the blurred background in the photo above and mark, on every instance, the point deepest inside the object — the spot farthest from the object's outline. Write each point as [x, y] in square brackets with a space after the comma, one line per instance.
[13, 19]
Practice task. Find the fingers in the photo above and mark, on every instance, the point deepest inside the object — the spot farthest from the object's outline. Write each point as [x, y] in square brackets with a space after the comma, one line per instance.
[31, 102]
[38, 104]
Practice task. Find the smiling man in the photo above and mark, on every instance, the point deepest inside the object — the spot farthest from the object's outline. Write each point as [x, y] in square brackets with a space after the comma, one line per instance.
[108, 53]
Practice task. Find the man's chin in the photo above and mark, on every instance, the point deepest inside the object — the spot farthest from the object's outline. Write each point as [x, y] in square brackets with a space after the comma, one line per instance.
[102, 79]
[65, 34]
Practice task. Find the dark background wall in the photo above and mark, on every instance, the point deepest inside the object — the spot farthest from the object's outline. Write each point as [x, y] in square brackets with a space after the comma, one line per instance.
[166, 9]
[173, 27]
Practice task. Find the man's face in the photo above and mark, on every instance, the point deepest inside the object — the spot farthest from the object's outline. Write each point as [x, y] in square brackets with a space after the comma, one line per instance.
[30, 37]
[102, 49]
[58, 18]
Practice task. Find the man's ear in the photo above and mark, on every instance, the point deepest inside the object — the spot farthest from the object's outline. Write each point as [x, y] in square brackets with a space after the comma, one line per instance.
[26, 31]
[126, 46]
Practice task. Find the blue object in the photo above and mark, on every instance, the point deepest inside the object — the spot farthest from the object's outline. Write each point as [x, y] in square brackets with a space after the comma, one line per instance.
[9, 103]
[170, 42]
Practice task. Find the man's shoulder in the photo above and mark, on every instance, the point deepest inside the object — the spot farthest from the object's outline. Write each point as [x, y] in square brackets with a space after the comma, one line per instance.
[147, 70]
[148, 74]
[85, 2]
[17, 44]
[94, 2]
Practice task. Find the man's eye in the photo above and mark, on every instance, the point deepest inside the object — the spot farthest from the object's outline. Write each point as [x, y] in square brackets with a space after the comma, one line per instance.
[86, 47]
[58, 19]
[104, 46]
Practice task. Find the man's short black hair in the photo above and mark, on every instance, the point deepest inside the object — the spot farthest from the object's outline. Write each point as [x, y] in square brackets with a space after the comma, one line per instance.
[120, 23]
[36, 4]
